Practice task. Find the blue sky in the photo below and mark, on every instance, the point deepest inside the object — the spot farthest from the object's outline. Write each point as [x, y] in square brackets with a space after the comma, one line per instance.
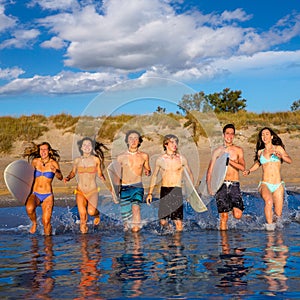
[61, 56]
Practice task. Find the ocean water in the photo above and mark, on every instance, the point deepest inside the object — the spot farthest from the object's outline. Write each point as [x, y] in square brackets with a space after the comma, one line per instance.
[245, 262]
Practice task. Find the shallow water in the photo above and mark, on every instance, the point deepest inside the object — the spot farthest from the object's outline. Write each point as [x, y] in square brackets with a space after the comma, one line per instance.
[244, 262]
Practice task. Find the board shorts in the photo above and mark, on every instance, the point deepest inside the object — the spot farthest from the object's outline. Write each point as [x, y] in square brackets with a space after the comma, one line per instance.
[171, 203]
[130, 195]
[229, 196]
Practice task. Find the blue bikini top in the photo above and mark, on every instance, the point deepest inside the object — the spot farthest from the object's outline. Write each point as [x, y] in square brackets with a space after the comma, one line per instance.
[273, 158]
[49, 175]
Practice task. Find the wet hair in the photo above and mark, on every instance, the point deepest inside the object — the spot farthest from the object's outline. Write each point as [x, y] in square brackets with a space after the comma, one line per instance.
[276, 140]
[129, 132]
[167, 138]
[228, 126]
[97, 149]
[33, 151]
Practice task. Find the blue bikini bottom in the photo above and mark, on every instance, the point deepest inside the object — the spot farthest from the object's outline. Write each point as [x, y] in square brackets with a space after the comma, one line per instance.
[271, 186]
[42, 197]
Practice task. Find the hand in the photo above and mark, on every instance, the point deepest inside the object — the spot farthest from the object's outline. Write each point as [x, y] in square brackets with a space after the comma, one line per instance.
[246, 172]
[147, 172]
[149, 199]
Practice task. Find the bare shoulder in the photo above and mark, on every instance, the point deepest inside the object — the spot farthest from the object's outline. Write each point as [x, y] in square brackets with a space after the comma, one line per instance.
[54, 162]
[34, 161]
[183, 159]
[238, 148]
[144, 154]
[96, 159]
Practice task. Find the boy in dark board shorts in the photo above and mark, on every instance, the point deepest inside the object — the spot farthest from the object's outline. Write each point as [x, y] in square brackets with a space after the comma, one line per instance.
[229, 196]
[171, 164]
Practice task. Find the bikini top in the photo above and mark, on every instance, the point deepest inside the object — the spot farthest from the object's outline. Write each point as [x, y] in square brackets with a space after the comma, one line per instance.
[49, 175]
[90, 169]
[273, 158]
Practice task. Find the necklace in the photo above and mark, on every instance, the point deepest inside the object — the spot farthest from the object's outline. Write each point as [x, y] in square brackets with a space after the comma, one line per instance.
[132, 152]
[85, 157]
[172, 155]
[45, 162]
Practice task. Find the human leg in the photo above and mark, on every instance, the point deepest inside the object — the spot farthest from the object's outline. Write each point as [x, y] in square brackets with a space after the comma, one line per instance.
[223, 220]
[31, 205]
[268, 199]
[136, 218]
[82, 210]
[236, 199]
[92, 207]
[278, 197]
[47, 208]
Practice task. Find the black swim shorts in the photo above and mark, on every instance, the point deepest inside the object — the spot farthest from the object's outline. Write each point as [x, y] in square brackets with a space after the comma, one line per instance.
[229, 196]
[171, 203]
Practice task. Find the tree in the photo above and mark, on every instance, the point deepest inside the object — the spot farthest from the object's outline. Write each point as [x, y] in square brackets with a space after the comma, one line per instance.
[227, 101]
[295, 105]
[198, 102]
[161, 110]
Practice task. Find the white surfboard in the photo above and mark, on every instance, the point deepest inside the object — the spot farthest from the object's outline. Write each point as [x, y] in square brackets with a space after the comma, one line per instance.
[114, 176]
[19, 177]
[218, 175]
[192, 195]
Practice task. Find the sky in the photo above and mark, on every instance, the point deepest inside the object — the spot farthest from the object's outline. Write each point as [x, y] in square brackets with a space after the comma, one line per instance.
[65, 56]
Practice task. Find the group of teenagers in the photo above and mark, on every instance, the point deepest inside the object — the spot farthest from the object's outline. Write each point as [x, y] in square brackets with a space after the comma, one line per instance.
[270, 153]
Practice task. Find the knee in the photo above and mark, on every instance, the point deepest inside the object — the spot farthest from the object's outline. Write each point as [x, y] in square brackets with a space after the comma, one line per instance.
[92, 211]
[46, 221]
[30, 209]
[269, 202]
[237, 214]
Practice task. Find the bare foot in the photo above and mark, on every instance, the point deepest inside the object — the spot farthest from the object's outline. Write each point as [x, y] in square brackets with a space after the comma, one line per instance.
[135, 229]
[97, 219]
[33, 228]
[83, 228]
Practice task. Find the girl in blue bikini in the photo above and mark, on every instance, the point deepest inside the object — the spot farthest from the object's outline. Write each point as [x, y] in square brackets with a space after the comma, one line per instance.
[270, 153]
[44, 160]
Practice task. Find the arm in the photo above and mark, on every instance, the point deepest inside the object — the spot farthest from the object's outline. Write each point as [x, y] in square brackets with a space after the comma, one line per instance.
[56, 169]
[147, 165]
[99, 171]
[72, 173]
[240, 164]
[153, 182]
[186, 165]
[253, 168]
[282, 154]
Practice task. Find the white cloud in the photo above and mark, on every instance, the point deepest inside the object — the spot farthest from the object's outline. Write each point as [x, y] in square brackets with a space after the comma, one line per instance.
[147, 36]
[5, 21]
[134, 35]
[62, 83]
[21, 39]
[54, 4]
[54, 42]
[10, 73]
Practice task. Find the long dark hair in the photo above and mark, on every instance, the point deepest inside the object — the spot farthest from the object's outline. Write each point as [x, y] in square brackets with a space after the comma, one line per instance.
[33, 151]
[97, 149]
[276, 140]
